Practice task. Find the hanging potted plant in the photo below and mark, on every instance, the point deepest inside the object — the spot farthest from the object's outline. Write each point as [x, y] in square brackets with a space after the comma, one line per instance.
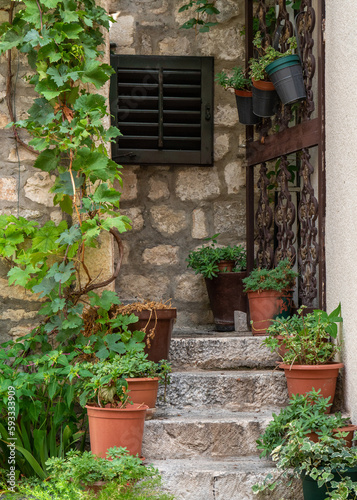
[113, 419]
[223, 269]
[243, 91]
[269, 294]
[308, 359]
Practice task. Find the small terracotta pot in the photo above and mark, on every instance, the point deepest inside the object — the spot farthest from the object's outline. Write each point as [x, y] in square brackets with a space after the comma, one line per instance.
[226, 265]
[265, 306]
[263, 85]
[313, 436]
[110, 427]
[143, 390]
[303, 378]
[95, 487]
[282, 348]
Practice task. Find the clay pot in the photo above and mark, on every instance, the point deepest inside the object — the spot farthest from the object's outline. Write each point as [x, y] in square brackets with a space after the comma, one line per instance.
[303, 378]
[226, 266]
[267, 305]
[313, 436]
[95, 487]
[162, 320]
[226, 295]
[143, 390]
[110, 427]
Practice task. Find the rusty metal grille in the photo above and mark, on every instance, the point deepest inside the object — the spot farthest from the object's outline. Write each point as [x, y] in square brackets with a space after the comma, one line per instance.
[285, 218]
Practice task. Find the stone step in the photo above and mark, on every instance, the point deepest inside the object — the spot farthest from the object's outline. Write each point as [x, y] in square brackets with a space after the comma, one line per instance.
[208, 433]
[220, 352]
[204, 479]
[242, 390]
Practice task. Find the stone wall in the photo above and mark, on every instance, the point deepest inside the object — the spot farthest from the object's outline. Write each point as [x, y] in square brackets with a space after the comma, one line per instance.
[173, 208]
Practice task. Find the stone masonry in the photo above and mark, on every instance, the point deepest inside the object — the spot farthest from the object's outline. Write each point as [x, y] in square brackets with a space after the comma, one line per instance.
[173, 208]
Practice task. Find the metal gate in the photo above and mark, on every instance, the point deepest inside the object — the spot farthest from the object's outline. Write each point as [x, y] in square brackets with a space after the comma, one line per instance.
[285, 155]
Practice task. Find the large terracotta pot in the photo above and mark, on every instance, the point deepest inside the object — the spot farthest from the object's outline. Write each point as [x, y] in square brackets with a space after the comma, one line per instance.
[143, 390]
[162, 321]
[110, 427]
[303, 378]
[267, 305]
[226, 295]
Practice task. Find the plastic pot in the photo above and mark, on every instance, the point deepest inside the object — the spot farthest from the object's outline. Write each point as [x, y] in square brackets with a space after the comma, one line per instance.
[162, 321]
[244, 100]
[267, 305]
[226, 295]
[313, 492]
[110, 427]
[303, 378]
[265, 99]
[143, 390]
[286, 75]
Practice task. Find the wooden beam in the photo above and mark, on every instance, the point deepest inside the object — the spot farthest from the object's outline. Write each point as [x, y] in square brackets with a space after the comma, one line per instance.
[304, 135]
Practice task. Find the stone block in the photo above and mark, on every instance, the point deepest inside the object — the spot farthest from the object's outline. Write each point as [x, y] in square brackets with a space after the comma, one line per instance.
[122, 32]
[221, 146]
[199, 224]
[100, 261]
[37, 188]
[234, 175]
[229, 9]
[178, 46]
[158, 189]
[17, 314]
[196, 184]
[136, 286]
[8, 189]
[4, 120]
[190, 288]
[130, 186]
[136, 217]
[229, 217]
[167, 220]
[24, 155]
[226, 116]
[162, 255]
[223, 43]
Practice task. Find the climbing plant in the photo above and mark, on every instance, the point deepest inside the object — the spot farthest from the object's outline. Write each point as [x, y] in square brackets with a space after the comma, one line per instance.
[202, 12]
[66, 122]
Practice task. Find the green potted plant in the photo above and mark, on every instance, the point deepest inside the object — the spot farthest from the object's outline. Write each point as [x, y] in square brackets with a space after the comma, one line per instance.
[242, 86]
[269, 294]
[143, 377]
[308, 361]
[327, 468]
[290, 87]
[114, 420]
[223, 268]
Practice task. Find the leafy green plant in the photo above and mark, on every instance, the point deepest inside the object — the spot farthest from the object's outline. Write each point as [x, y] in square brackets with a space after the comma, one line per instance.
[322, 461]
[137, 365]
[266, 55]
[237, 80]
[124, 476]
[280, 278]
[204, 260]
[203, 9]
[308, 411]
[306, 337]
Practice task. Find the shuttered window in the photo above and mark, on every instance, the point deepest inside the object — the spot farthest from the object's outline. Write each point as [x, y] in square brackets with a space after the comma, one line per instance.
[163, 107]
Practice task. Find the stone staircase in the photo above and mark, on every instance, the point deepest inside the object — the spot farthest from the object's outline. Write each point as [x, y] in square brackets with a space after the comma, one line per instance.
[222, 394]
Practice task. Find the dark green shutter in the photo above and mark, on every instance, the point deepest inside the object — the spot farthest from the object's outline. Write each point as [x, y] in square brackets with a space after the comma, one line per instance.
[163, 106]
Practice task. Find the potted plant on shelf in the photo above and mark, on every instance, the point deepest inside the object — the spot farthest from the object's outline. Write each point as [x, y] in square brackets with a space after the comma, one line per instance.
[268, 64]
[269, 294]
[223, 268]
[308, 361]
[243, 91]
[114, 420]
[327, 468]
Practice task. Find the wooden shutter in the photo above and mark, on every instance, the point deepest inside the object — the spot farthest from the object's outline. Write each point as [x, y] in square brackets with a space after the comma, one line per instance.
[163, 106]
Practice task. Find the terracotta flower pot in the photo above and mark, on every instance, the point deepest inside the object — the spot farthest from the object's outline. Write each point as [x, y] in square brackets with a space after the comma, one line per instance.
[110, 427]
[226, 295]
[267, 305]
[226, 266]
[162, 321]
[143, 390]
[303, 378]
[349, 428]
